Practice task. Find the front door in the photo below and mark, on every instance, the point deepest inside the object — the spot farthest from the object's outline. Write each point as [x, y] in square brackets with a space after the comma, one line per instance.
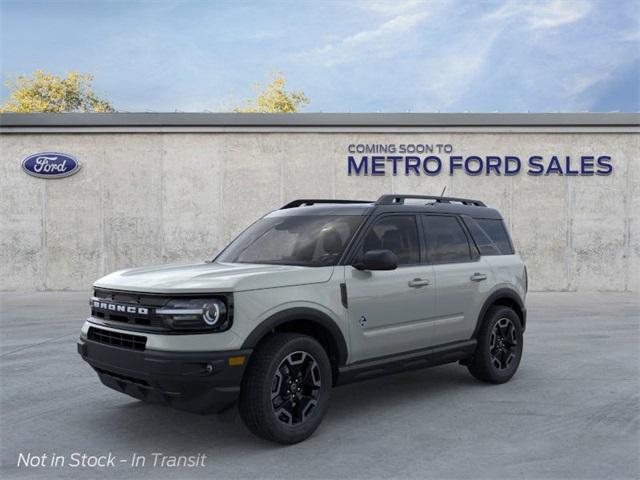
[391, 311]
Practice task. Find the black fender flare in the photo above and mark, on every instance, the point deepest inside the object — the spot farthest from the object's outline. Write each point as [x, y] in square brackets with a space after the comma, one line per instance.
[501, 293]
[300, 314]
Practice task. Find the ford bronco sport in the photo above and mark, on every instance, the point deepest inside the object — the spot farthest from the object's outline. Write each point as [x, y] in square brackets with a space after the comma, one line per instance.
[316, 294]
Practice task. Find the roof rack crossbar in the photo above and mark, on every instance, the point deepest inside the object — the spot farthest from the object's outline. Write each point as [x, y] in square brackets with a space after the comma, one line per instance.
[310, 201]
[399, 199]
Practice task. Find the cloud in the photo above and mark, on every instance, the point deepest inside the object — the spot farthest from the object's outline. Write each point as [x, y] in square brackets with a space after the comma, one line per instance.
[557, 13]
[632, 35]
[391, 7]
[263, 34]
[605, 95]
[384, 40]
[542, 15]
[583, 81]
[456, 68]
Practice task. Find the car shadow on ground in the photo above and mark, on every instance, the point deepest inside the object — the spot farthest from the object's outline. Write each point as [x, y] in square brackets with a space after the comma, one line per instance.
[150, 426]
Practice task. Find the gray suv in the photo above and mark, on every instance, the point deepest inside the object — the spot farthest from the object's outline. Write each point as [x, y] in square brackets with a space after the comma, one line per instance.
[316, 294]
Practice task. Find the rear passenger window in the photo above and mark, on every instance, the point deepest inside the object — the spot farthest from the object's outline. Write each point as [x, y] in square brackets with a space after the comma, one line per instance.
[397, 233]
[497, 232]
[446, 240]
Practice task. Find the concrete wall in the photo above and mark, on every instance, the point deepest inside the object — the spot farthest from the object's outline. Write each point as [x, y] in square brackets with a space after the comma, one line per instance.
[145, 198]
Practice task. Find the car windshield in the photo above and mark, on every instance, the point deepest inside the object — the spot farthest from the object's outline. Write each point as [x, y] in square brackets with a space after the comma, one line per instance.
[307, 240]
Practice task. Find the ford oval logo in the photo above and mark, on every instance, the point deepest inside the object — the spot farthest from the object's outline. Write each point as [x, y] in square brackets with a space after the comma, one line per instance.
[50, 165]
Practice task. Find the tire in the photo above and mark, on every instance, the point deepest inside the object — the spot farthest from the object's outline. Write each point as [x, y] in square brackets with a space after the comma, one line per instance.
[499, 349]
[298, 371]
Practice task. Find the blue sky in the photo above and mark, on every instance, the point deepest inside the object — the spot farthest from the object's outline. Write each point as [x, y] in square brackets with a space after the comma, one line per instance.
[402, 55]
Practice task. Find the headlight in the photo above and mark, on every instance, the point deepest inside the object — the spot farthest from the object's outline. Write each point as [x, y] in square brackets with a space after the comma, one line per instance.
[207, 314]
[213, 312]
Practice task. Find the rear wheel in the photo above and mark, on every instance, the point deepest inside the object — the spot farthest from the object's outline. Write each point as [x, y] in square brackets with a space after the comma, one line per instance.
[285, 390]
[499, 347]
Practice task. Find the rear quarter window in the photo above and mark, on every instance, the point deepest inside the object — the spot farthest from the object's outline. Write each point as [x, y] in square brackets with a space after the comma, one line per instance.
[490, 236]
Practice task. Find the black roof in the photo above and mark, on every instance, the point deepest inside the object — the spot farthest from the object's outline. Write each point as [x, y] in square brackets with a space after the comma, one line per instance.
[390, 203]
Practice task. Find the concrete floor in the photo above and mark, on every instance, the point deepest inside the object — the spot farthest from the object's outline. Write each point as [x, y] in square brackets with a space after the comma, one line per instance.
[572, 410]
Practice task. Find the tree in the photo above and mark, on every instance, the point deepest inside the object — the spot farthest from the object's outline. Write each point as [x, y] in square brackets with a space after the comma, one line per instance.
[275, 99]
[44, 92]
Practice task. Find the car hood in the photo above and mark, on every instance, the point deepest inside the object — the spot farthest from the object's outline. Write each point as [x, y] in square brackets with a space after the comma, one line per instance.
[212, 277]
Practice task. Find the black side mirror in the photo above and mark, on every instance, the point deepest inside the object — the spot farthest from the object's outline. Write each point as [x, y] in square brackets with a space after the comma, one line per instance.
[377, 260]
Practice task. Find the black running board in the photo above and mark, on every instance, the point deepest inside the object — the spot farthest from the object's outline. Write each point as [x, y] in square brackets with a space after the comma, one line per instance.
[428, 357]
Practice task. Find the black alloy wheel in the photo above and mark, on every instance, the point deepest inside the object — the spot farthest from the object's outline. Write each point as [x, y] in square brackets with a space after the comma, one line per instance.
[499, 348]
[295, 389]
[286, 387]
[504, 343]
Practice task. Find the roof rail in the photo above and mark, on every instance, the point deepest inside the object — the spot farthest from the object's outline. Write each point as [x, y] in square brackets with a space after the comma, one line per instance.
[399, 199]
[309, 201]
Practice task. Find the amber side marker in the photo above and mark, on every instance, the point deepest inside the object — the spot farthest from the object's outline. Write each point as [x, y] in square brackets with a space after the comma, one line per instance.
[236, 361]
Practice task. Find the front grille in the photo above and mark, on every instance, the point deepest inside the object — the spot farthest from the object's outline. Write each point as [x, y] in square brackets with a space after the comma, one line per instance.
[131, 319]
[117, 339]
[147, 321]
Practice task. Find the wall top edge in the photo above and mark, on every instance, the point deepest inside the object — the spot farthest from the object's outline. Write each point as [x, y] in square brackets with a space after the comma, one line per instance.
[317, 120]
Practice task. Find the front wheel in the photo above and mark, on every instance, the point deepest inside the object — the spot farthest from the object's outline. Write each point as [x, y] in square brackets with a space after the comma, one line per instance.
[499, 347]
[285, 390]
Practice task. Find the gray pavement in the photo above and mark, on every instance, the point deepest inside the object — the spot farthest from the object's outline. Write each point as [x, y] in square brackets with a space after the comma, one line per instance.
[572, 410]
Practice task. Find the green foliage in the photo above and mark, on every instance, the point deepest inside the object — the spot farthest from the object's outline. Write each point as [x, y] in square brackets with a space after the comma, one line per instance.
[43, 92]
[275, 99]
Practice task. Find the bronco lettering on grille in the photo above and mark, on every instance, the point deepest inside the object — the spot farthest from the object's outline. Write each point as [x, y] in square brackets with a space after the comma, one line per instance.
[120, 308]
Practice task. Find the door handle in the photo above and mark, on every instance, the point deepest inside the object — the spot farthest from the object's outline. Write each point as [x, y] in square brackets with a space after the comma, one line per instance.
[419, 282]
[478, 277]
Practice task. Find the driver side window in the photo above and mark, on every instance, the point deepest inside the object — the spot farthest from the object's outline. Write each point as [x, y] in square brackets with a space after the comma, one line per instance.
[397, 233]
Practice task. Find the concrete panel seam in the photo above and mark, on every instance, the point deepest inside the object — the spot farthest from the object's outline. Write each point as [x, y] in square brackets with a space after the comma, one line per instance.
[511, 204]
[334, 180]
[45, 243]
[282, 174]
[162, 200]
[626, 245]
[569, 254]
[103, 250]
[222, 159]
[393, 184]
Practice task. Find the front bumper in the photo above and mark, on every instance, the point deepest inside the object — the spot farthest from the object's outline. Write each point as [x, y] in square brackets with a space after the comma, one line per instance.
[199, 382]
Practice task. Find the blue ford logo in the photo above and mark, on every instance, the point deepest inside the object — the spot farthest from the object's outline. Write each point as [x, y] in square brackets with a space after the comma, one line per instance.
[50, 165]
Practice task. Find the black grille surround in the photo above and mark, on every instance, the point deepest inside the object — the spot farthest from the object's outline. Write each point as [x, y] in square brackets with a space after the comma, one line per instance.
[117, 339]
[135, 318]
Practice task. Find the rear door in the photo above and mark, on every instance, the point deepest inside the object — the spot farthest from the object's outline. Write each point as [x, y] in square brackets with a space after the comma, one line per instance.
[391, 311]
[461, 276]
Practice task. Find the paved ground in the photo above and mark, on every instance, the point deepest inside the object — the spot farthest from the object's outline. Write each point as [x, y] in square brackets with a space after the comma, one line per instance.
[572, 411]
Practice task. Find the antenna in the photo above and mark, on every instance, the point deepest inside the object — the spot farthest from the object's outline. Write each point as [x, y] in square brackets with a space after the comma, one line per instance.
[443, 190]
